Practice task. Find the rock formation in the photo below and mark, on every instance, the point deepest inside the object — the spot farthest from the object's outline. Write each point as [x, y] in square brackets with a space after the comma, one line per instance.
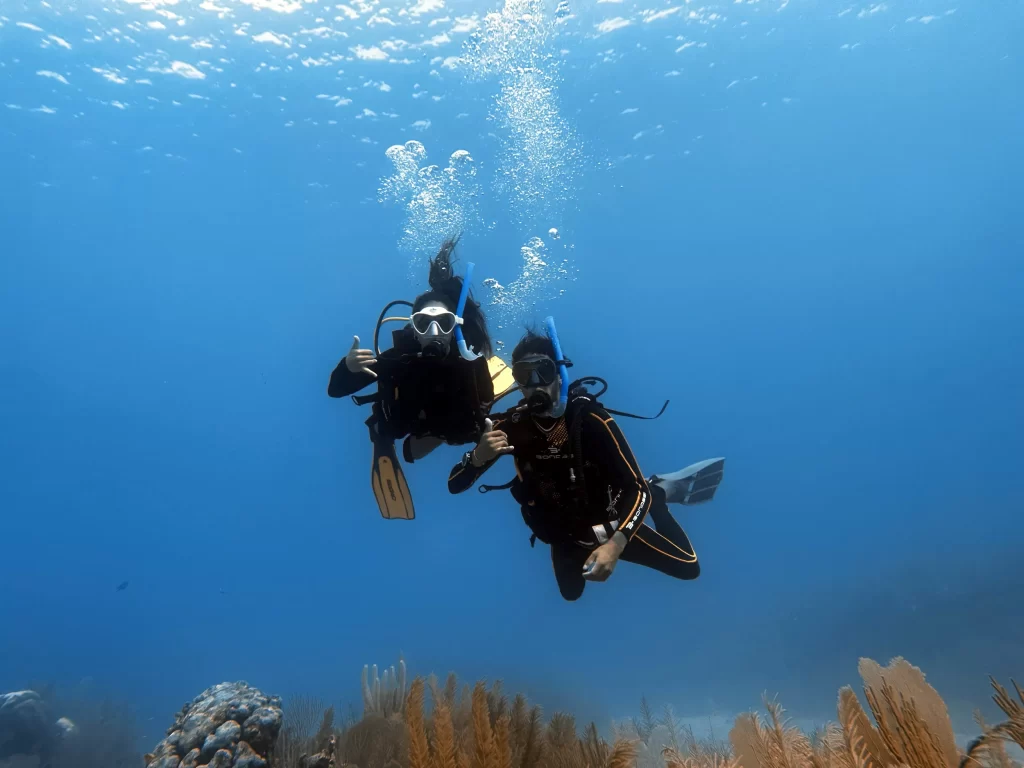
[227, 726]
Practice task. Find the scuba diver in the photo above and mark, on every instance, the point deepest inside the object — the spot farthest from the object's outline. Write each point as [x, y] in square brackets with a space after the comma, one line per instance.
[577, 481]
[434, 385]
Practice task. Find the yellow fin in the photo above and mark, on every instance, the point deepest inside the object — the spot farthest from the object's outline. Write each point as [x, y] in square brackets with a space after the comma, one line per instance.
[501, 376]
[389, 485]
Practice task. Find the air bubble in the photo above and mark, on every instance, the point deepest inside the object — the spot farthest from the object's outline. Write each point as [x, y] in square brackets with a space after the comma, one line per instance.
[439, 202]
[539, 163]
[538, 275]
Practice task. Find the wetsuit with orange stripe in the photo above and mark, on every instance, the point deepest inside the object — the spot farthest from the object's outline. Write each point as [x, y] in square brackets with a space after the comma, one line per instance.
[575, 504]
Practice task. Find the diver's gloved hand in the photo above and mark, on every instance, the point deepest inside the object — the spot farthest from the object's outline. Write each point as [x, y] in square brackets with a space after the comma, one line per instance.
[493, 443]
[358, 360]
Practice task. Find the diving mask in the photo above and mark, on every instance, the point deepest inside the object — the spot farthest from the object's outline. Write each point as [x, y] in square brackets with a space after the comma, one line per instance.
[434, 321]
[434, 327]
[534, 373]
[538, 378]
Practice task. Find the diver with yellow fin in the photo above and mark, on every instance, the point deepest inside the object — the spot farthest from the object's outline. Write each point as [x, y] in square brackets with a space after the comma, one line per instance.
[578, 484]
[435, 384]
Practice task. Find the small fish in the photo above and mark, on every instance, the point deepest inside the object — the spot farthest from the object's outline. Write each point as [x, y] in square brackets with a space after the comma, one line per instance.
[122, 586]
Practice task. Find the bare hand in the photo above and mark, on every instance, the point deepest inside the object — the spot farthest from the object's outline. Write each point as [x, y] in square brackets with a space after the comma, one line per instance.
[493, 443]
[358, 360]
[602, 561]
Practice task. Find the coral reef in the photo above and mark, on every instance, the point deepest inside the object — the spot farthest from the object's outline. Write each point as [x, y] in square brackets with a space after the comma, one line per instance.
[299, 744]
[911, 729]
[384, 696]
[27, 727]
[990, 748]
[501, 735]
[95, 730]
[227, 726]
[478, 727]
[662, 736]
[905, 724]
[463, 727]
[107, 734]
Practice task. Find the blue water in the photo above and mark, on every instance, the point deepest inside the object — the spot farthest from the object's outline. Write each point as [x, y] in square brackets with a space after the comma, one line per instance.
[819, 264]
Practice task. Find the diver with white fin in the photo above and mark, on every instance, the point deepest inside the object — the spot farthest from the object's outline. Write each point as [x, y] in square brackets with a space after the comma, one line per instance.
[434, 385]
[578, 484]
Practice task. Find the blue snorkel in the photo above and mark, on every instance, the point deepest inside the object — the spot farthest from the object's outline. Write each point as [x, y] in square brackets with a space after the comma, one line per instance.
[463, 295]
[563, 372]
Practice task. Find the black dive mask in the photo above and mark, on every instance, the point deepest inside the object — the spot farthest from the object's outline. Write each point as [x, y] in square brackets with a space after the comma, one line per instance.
[527, 372]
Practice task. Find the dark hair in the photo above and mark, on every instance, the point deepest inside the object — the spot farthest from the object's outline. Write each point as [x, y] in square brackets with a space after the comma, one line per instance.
[533, 343]
[445, 287]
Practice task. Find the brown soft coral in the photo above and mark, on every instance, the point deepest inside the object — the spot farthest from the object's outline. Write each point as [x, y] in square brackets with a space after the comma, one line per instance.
[989, 748]
[912, 725]
[905, 725]
[771, 743]
[911, 728]
[499, 736]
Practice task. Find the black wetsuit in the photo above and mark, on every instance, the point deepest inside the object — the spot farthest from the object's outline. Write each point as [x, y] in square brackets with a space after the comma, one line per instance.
[446, 398]
[577, 515]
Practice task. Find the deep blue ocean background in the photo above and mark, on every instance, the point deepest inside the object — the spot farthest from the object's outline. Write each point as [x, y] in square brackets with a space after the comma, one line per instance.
[806, 229]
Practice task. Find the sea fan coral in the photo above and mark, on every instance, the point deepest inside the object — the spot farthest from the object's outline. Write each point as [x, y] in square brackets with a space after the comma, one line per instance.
[905, 725]
[989, 748]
